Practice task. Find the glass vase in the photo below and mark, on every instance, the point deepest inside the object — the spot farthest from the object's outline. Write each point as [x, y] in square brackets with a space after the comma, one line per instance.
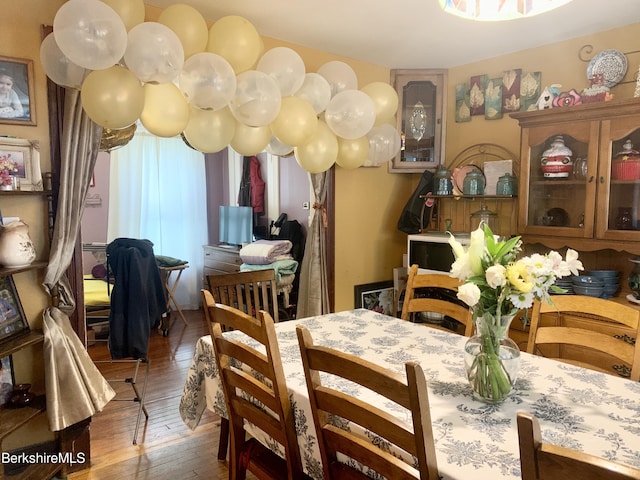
[491, 358]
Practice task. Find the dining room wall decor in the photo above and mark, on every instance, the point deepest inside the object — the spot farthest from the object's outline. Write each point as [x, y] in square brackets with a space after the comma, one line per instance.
[513, 91]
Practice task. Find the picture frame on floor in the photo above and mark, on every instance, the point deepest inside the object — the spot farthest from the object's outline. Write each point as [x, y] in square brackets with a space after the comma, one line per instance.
[377, 296]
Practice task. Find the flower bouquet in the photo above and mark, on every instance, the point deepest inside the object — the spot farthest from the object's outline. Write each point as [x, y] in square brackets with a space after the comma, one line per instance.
[8, 168]
[496, 285]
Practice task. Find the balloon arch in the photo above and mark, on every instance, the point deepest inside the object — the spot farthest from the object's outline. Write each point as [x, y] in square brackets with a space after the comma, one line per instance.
[216, 87]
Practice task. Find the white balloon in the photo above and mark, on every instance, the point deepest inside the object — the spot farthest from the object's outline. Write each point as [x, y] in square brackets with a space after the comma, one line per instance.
[276, 147]
[208, 81]
[154, 53]
[285, 66]
[90, 33]
[58, 67]
[340, 76]
[316, 90]
[384, 143]
[257, 100]
[350, 114]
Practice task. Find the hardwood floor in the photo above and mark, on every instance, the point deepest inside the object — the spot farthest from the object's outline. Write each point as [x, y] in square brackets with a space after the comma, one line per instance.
[166, 449]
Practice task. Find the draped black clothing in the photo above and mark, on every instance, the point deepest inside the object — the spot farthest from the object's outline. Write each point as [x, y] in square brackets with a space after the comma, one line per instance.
[138, 297]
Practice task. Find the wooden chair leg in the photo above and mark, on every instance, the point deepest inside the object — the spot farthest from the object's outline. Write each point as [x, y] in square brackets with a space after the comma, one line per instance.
[223, 444]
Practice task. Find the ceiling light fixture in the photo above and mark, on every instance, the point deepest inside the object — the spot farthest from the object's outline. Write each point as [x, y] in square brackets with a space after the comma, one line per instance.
[494, 10]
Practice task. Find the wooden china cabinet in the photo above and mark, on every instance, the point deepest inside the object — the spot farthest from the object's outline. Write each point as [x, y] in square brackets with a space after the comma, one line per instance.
[583, 210]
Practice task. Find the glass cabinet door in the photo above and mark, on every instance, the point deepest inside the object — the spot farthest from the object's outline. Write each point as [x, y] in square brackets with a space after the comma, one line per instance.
[558, 179]
[420, 119]
[619, 178]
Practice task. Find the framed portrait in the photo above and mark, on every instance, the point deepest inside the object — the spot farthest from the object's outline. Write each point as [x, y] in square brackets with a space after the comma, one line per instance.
[6, 379]
[25, 154]
[17, 98]
[376, 296]
[13, 321]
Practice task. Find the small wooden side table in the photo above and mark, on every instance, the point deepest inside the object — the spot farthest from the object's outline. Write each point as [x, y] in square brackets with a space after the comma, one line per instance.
[171, 284]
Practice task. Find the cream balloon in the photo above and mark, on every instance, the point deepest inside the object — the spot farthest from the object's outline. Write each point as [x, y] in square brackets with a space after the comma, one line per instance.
[250, 140]
[236, 39]
[385, 100]
[189, 25]
[154, 53]
[316, 90]
[285, 66]
[320, 153]
[350, 114]
[296, 122]
[384, 143]
[257, 100]
[58, 67]
[90, 34]
[352, 153]
[130, 11]
[208, 81]
[340, 76]
[209, 131]
[113, 97]
[166, 111]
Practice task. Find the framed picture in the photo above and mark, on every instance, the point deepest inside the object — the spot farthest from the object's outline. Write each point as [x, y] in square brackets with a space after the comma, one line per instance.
[13, 321]
[17, 99]
[375, 296]
[25, 154]
[6, 379]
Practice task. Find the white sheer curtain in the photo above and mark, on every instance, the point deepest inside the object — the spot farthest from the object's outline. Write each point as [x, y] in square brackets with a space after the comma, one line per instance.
[158, 192]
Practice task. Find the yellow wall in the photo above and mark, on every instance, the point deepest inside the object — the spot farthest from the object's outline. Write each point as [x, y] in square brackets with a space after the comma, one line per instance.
[368, 200]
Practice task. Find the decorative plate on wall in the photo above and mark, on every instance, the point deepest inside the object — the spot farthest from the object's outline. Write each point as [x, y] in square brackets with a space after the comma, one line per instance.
[612, 64]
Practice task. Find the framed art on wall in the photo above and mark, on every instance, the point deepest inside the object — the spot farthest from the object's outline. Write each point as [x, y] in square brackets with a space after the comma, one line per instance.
[13, 321]
[376, 296]
[17, 100]
[25, 154]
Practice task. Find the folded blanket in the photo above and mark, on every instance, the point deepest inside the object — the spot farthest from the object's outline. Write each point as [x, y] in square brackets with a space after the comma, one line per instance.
[281, 267]
[263, 252]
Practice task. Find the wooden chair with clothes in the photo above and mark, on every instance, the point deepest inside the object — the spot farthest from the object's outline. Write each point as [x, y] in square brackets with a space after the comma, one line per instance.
[256, 393]
[584, 331]
[544, 461]
[440, 300]
[333, 408]
[250, 292]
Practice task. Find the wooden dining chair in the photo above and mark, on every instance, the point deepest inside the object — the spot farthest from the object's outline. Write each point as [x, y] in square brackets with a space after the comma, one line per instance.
[249, 291]
[391, 432]
[256, 393]
[583, 331]
[544, 461]
[415, 303]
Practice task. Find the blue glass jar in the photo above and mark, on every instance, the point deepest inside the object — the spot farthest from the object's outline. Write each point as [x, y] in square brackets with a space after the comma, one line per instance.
[473, 183]
[507, 185]
[442, 184]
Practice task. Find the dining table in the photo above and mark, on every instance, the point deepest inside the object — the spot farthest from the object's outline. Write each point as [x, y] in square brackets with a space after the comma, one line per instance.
[577, 408]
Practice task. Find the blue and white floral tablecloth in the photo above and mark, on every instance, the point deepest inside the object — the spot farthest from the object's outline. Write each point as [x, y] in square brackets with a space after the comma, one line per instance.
[577, 408]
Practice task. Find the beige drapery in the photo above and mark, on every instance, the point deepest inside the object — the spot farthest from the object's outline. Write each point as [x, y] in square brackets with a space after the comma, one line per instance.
[75, 388]
[313, 296]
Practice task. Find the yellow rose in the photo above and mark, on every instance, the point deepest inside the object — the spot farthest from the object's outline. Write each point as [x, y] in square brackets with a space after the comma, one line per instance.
[519, 277]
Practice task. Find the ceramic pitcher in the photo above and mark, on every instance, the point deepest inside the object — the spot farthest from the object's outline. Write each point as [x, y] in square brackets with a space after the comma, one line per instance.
[16, 247]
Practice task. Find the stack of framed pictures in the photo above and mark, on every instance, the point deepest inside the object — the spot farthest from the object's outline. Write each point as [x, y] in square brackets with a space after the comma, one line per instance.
[13, 323]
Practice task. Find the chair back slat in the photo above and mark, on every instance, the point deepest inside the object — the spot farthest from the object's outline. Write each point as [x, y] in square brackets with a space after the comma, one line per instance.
[544, 461]
[577, 329]
[333, 408]
[249, 291]
[414, 303]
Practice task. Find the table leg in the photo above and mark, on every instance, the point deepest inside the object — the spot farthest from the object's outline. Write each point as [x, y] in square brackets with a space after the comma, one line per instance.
[171, 289]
